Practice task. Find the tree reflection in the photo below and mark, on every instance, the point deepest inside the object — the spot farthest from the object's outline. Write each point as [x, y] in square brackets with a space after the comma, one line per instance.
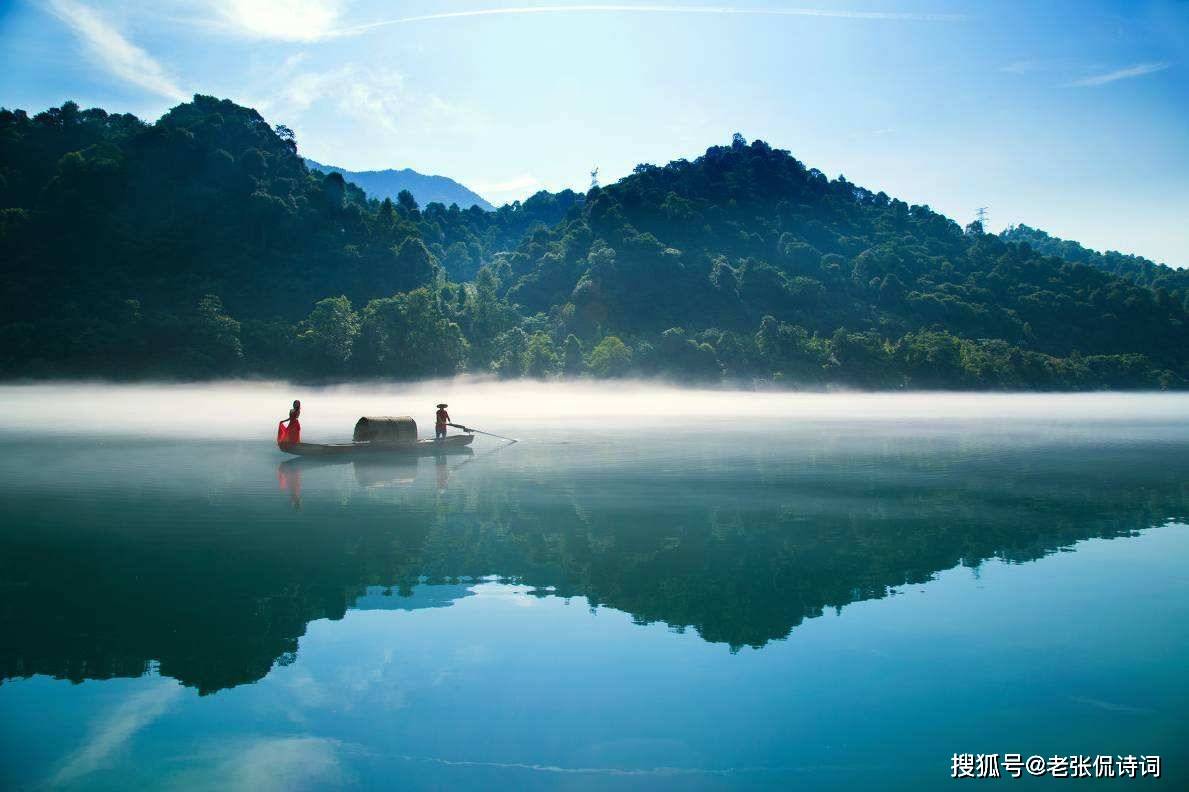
[220, 592]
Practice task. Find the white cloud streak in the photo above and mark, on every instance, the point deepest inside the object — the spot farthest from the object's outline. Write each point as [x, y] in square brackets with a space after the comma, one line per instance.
[114, 732]
[1138, 70]
[403, 122]
[379, 99]
[112, 49]
[283, 763]
[653, 9]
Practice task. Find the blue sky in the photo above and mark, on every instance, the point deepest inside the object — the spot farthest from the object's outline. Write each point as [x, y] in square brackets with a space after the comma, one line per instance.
[1069, 116]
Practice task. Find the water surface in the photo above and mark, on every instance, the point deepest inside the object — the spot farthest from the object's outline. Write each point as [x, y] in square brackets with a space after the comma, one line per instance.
[653, 589]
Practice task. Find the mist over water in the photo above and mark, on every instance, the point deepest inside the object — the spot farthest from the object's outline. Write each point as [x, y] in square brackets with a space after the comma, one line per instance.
[250, 410]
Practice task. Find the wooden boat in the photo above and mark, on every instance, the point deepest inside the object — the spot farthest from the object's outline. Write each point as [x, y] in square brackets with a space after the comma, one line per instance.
[454, 444]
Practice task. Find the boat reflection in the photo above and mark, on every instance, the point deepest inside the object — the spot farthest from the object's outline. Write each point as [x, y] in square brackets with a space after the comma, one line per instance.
[371, 472]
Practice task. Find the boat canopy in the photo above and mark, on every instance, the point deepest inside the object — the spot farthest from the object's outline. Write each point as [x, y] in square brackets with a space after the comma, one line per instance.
[385, 429]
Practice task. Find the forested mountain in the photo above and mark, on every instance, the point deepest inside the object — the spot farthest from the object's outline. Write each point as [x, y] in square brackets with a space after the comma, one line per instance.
[202, 245]
[1134, 268]
[748, 261]
[195, 246]
[425, 188]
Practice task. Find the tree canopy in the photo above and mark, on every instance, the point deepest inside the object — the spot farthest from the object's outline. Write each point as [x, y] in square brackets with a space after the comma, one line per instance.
[203, 246]
[1145, 272]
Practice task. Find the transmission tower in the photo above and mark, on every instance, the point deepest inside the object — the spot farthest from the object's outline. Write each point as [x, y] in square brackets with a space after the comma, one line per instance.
[981, 216]
[594, 178]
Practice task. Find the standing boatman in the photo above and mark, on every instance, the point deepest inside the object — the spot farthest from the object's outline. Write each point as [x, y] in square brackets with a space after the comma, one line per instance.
[440, 422]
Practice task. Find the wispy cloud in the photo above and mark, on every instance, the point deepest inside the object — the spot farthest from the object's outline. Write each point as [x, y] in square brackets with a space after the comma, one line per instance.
[402, 119]
[282, 763]
[115, 731]
[654, 9]
[379, 98]
[316, 20]
[1138, 70]
[112, 49]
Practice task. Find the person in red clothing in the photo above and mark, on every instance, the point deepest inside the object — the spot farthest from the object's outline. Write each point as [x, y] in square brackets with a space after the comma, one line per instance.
[287, 435]
[440, 422]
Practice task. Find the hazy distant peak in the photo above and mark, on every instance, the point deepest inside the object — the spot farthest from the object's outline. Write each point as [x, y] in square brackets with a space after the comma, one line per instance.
[426, 188]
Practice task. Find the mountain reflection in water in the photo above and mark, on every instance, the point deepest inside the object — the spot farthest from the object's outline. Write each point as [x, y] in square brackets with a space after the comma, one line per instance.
[189, 558]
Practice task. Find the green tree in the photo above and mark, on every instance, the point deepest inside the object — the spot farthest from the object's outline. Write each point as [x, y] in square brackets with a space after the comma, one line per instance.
[791, 351]
[540, 357]
[406, 202]
[573, 362]
[685, 358]
[457, 262]
[863, 359]
[610, 358]
[513, 346]
[216, 336]
[414, 266]
[326, 338]
[484, 317]
[408, 336]
[932, 358]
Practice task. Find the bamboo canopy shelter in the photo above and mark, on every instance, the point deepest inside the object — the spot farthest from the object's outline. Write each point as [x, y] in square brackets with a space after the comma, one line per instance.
[385, 429]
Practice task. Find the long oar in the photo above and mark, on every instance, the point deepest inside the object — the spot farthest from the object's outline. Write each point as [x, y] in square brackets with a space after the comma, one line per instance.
[468, 430]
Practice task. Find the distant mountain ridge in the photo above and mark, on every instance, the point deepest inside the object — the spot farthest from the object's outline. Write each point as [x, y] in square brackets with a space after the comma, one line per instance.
[426, 188]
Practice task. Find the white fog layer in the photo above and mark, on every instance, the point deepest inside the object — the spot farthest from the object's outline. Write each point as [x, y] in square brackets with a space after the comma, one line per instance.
[251, 410]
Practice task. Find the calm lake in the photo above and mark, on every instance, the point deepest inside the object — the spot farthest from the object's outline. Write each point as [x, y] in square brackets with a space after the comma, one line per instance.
[653, 589]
